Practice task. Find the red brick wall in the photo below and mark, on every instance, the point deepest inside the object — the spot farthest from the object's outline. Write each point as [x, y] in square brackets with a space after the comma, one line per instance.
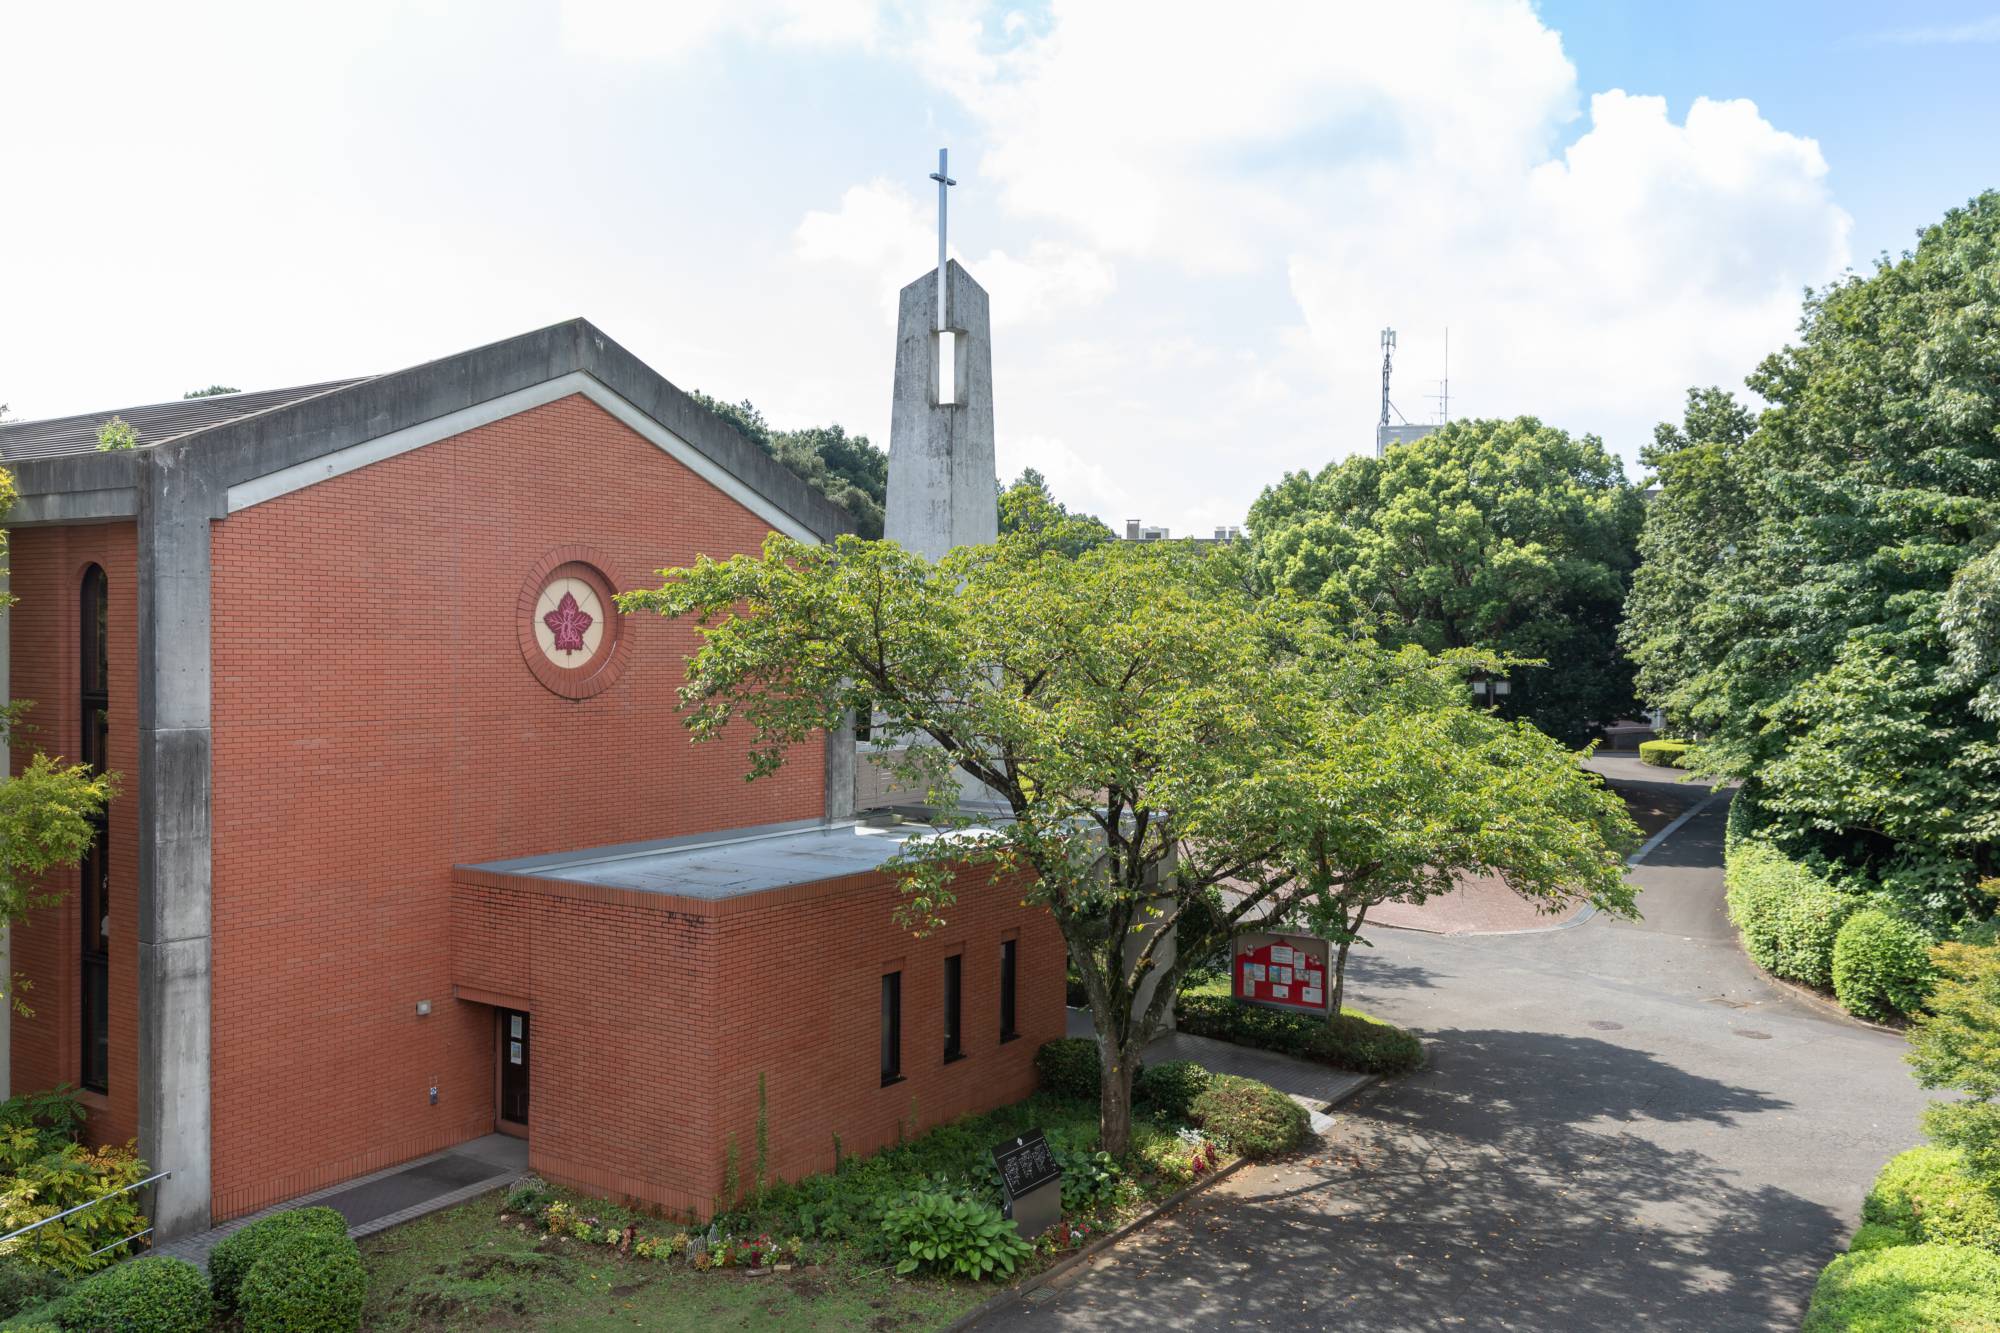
[653, 1016]
[374, 724]
[47, 566]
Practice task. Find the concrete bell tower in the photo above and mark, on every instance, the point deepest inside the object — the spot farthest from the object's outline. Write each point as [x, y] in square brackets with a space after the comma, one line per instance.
[943, 490]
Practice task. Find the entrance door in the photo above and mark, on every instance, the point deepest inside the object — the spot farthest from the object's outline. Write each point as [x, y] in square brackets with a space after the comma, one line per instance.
[513, 1069]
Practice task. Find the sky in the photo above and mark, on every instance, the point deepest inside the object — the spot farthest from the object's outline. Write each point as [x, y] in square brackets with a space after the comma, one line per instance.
[1193, 220]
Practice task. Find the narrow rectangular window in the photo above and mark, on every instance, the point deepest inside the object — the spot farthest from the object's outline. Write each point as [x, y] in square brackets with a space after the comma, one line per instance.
[954, 977]
[892, 1027]
[1007, 1032]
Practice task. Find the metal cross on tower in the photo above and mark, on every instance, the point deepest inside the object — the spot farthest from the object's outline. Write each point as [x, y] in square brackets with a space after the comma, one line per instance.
[944, 181]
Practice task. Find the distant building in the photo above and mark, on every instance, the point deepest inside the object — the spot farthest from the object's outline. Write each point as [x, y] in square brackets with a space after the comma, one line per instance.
[1135, 531]
[1403, 434]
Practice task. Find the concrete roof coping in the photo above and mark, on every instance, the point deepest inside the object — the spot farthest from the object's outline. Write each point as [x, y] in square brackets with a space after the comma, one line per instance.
[729, 863]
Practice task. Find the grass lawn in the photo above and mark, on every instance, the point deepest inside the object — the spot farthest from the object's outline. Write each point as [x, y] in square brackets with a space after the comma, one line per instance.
[466, 1269]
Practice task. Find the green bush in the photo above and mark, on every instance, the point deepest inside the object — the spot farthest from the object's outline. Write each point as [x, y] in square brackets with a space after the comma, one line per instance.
[150, 1295]
[1789, 917]
[23, 1286]
[305, 1282]
[1254, 1119]
[1171, 1088]
[942, 1233]
[1877, 1236]
[1907, 1289]
[1664, 754]
[1069, 1068]
[1881, 966]
[236, 1254]
[1352, 1040]
[1927, 1195]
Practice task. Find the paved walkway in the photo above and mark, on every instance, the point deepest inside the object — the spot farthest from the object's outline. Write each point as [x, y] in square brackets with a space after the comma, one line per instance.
[382, 1200]
[1621, 1125]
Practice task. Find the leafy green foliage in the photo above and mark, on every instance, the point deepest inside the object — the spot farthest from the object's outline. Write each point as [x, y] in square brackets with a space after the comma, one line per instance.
[1928, 1196]
[1351, 1040]
[308, 1281]
[1507, 536]
[230, 1262]
[1135, 708]
[1881, 966]
[153, 1294]
[846, 469]
[1817, 601]
[1068, 1067]
[1090, 1180]
[1789, 916]
[58, 1181]
[1170, 1088]
[212, 391]
[1877, 1236]
[1957, 1045]
[35, 1124]
[1028, 507]
[529, 1197]
[116, 436]
[1253, 1118]
[1663, 754]
[1907, 1289]
[961, 1237]
[24, 1286]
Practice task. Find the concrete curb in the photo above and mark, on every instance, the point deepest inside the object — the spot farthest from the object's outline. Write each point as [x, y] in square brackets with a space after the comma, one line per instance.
[1827, 1008]
[1015, 1292]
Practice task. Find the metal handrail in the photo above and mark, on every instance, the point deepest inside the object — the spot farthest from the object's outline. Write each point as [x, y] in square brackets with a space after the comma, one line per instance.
[92, 1203]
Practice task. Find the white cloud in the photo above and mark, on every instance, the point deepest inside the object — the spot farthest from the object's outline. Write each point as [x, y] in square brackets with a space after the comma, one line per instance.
[1949, 34]
[648, 30]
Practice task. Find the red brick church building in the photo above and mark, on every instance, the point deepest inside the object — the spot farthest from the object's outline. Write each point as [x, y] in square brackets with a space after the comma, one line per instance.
[411, 844]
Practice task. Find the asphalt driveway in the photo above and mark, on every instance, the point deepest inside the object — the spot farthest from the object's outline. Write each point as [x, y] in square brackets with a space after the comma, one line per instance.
[1621, 1125]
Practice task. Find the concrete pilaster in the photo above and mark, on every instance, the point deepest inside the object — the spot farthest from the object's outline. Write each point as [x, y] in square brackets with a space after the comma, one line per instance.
[174, 846]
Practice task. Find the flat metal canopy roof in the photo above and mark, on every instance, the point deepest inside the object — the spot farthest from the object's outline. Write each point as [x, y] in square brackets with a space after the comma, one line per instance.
[727, 864]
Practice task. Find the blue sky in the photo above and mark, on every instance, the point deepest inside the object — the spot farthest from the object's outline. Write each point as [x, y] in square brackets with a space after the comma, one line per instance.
[1193, 220]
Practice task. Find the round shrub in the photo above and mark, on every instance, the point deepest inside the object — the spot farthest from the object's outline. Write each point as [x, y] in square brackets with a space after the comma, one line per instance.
[150, 1295]
[1926, 1195]
[1171, 1088]
[1253, 1118]
[1808, 922]
[1907, 1289]
[1068, 1068]
[1881, 966]
[1664, 754]
[237, 1253]
[308, 1282]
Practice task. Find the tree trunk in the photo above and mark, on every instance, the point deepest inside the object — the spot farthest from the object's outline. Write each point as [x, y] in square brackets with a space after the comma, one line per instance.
[1114, 1101]
[1340, 961]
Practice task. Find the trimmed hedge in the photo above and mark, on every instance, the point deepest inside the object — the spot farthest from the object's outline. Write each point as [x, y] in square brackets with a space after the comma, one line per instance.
[1352, 1040]
[1907, 1289]
[153, 1294]
[1664, 754]
[1789, 917]
[1172, 1087]
[1926, 1195]
[24, 1286]
[1881, 966]
[307, 1282]
[1253, 1118]
[1069, 1067]
[236, 1254]
[1876, 1236]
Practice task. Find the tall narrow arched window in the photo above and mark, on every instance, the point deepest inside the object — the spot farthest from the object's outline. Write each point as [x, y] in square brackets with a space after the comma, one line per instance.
[94, 898]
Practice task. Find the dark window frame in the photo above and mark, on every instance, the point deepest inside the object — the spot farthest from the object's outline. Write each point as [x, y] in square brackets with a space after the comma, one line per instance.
[892, 1028]
[954, 1007]
[94, 895]
[1010, 961]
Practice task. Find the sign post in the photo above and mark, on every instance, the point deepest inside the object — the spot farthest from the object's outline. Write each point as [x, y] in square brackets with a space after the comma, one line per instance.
[1288, 972]
[1030, 1183]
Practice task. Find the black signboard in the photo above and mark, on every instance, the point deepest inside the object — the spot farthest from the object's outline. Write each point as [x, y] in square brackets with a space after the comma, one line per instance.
[1026, 1163]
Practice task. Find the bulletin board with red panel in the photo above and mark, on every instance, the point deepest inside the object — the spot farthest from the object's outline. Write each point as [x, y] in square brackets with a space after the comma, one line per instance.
[1287, 972]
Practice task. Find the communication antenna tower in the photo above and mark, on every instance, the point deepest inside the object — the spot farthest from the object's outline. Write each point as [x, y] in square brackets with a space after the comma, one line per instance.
[1388, 360]
[1443, 395]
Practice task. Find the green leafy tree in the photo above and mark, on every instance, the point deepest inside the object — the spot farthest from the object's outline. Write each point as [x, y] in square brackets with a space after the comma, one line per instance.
[47, 809]
[212, 391]
[1146, 727]
[116, 435]
[1957, 1046]
[1832, 636]
[1029, 506]
[846, 469]
[1508, 536]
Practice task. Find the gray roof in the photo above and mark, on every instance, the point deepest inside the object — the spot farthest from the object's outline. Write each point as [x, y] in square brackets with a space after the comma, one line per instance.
[156, 423]
[730, 864]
